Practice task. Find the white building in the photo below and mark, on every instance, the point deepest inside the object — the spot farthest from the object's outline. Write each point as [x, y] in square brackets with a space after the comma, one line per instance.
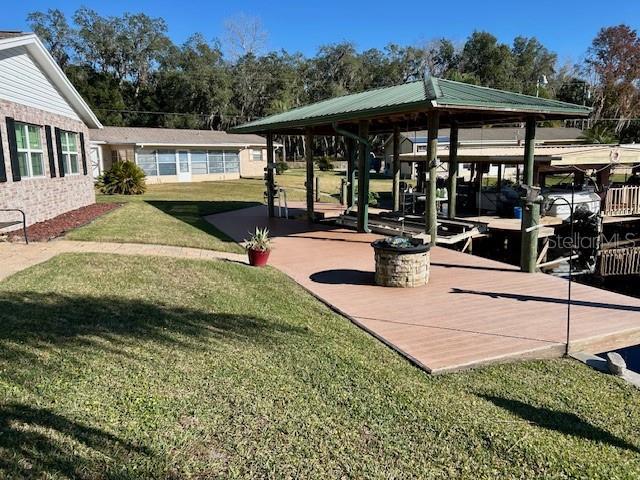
[179, 155]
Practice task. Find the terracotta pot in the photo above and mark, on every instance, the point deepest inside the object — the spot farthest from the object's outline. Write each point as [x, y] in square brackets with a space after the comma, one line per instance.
[258, 258]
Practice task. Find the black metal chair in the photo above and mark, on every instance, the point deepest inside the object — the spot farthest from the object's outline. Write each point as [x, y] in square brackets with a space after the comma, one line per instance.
[11, 223]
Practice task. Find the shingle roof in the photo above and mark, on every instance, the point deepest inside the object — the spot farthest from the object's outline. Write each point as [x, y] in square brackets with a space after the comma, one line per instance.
[12, 33]
[419, 95]
[171, 136]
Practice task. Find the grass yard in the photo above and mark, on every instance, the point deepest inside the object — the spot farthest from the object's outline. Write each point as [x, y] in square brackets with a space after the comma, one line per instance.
[133, 367]
[330, 183]
[171, 214]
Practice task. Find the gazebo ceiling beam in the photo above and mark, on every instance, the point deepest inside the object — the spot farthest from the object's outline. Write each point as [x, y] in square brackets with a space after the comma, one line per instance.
[411, 122]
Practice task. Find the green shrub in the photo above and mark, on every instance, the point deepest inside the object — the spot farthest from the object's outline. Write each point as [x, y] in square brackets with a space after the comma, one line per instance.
[324, 164]
[124, 178]
[373, 199]
[281, 167]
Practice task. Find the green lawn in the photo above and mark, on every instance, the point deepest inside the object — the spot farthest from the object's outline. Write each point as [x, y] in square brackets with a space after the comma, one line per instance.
[134, 367]
[171, 214]
[330, 182]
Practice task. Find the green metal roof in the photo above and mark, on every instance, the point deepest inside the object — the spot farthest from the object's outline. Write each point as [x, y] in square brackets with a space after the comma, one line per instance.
[432, 93]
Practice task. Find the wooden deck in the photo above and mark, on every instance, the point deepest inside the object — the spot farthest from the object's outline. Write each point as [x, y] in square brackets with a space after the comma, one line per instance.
[473, 311]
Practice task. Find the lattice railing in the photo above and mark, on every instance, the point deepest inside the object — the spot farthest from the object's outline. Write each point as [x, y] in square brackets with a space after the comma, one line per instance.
[622, 201]
[620, 261]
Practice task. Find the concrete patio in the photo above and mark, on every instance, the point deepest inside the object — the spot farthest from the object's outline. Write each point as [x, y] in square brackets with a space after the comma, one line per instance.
[473, 311]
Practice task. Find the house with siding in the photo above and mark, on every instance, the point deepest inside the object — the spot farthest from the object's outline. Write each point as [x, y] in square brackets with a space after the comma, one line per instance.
[179, 155]
[44, 125]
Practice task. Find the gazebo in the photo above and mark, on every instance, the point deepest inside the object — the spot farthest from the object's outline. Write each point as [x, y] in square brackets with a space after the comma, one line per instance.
[431, 103]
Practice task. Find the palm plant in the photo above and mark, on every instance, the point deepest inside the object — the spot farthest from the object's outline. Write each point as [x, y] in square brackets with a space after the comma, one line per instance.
[124, 178]
[259, 240]
[599, 134]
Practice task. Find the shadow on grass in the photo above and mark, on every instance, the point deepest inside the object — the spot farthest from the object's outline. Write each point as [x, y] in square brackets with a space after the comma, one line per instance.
[43, 321]
[563, 422]
[38, 443]
[191, 212]
[35, 326]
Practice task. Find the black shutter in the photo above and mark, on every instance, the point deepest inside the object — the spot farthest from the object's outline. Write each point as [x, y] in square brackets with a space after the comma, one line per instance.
[13, 149]
[3, 169]
[52, 159]
[82, 153]
[59, 152]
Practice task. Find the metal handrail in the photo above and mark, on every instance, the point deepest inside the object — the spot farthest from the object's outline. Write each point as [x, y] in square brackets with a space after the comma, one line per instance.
[24, 221]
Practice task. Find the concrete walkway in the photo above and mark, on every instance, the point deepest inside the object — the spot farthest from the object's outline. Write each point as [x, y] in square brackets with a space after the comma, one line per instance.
[15, 257]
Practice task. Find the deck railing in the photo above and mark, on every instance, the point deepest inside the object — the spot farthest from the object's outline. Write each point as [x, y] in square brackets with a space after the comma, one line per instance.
[622, 201]
[620, 261]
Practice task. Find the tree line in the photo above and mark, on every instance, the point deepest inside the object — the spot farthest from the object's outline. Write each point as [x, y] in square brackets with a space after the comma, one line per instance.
[132, 74]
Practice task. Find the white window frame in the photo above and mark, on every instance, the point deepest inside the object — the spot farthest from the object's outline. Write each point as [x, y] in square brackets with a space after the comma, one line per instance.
[254, 151]
[30, 150]
[66, 154]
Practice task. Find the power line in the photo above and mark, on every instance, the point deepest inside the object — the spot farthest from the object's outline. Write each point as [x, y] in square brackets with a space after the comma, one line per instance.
[151, 112]
[229, 115]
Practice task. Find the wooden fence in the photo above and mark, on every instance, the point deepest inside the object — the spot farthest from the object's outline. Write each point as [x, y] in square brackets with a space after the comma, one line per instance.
[620, 261]
[622, 201]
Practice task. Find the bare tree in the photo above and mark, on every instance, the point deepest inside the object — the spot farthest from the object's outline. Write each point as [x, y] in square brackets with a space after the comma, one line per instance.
[244, 35]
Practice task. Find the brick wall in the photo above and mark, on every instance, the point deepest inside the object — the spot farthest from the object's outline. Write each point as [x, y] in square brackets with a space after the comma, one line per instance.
[45, 197]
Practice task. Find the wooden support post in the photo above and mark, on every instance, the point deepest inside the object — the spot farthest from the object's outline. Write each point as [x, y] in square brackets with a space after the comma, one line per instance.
[421, 173]
[396, 168]
[452, 181]
[529, 250]
[308, 153]
[603, 177]
[271, 187]
[479, 178]
[317, 189]
[499, 179]
[363, 178]
[529, 151]
[531, 210]
[431, 212]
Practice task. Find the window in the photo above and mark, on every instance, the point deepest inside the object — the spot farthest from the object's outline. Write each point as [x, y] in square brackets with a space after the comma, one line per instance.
[69, 142]
[216, 161]
[232, 162]
[223, 162]
[29, 143]
[163, 162]
[256, 155]
[421, 148]
[199, 162]
[167, 162]
[147, 162]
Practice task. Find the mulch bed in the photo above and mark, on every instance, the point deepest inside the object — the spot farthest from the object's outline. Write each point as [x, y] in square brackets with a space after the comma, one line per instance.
[57, 226]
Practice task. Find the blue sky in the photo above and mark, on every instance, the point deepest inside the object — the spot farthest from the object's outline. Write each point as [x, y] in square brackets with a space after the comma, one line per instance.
[565, 26]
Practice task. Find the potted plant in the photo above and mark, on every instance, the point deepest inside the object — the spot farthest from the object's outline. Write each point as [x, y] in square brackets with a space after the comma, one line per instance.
[258, 247]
